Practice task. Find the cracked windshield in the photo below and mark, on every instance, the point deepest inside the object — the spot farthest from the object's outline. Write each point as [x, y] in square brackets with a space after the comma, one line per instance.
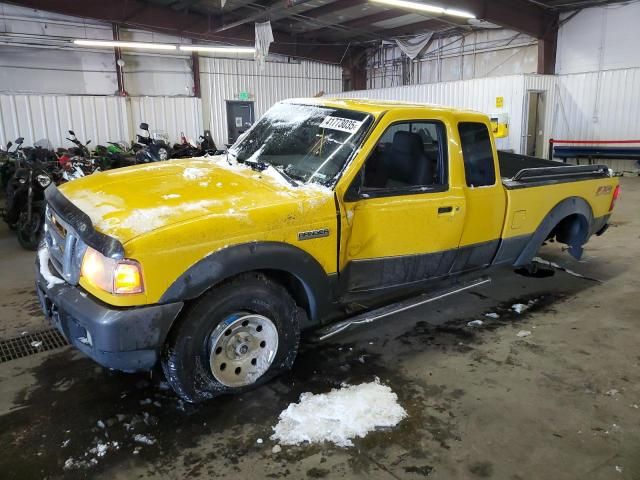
[307, 143]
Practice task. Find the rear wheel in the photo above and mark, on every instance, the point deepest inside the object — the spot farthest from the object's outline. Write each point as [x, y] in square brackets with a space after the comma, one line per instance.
[238, 335]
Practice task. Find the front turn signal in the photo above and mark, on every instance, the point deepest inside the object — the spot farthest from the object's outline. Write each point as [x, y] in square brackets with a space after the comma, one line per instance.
[127, 278]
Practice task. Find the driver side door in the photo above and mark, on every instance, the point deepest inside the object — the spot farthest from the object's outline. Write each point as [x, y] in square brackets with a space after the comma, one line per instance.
[404, 221]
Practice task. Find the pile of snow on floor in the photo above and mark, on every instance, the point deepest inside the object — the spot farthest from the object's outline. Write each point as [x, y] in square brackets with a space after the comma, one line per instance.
[339, 416]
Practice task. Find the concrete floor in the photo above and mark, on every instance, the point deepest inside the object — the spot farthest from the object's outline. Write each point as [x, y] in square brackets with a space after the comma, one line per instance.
[562, 403]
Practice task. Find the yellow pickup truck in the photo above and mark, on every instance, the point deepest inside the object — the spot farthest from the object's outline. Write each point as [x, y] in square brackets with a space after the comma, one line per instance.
[213, 266]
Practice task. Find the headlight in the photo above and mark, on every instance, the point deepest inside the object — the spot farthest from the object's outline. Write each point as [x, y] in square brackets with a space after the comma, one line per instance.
[43, 180]
[22, 180]
[120, 277]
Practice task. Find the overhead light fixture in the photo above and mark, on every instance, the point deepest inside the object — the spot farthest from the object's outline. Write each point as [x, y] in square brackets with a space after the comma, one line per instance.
[119, 44]
[424, 7]
[209, 48]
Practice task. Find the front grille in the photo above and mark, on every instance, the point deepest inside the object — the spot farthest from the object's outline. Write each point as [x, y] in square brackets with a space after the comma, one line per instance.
[26, 345]
[65, 247]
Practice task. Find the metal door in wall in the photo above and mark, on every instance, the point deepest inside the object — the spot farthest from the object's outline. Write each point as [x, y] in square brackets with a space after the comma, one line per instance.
[239, 118]
[534, 136]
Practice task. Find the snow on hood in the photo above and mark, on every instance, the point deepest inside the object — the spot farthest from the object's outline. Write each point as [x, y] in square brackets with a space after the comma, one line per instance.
[129, 202]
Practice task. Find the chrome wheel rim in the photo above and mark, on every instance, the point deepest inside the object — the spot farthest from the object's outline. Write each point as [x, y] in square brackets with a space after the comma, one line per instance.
[242, 348]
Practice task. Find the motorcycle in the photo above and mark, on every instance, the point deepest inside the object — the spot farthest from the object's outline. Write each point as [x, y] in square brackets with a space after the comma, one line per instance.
[8, 161]
[77, 161]
[151, 149]
[188, 148]
[115, 155]
[25, 206]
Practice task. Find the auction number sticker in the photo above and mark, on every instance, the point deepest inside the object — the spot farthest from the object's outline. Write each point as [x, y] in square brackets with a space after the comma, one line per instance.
[342, 124]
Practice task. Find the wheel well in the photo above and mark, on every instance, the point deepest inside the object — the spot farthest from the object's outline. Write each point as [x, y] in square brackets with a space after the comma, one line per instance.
[293, 285]
[572, 230]
[290, 282]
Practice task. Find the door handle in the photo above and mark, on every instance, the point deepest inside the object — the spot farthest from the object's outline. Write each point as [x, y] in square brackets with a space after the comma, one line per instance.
[443, 210]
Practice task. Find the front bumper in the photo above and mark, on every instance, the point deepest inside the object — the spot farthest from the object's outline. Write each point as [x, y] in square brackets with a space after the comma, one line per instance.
[127, 339]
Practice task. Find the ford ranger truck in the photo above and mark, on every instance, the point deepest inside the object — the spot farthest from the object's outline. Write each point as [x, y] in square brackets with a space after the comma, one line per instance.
[214, 266]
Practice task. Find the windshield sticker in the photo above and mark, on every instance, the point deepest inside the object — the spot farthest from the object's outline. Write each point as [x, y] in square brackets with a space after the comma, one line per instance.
[342, 124]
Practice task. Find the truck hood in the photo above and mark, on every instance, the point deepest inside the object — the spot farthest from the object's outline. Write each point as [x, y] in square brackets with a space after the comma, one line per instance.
[128, 202]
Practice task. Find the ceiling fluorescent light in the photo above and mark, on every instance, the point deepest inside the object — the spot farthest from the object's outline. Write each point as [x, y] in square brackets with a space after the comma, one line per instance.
[458, 13]
[424, 7]
[119, 44]
[412, 5]
[208, 48]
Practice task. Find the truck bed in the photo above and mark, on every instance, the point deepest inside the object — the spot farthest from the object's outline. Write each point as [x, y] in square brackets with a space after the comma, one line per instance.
[520, 171]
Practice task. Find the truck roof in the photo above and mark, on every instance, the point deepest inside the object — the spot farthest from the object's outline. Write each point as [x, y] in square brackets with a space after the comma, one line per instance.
[377, 107]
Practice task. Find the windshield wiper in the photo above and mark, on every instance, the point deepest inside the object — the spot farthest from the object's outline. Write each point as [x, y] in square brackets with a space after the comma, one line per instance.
[260, 166]
[286, 176]
[257, 166]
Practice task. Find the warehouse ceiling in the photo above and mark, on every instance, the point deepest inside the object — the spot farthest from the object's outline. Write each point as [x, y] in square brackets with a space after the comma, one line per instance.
[316, 29]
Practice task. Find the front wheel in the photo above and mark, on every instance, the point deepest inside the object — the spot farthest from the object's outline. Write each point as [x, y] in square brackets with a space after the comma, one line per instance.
[238, 335]
[29, 231]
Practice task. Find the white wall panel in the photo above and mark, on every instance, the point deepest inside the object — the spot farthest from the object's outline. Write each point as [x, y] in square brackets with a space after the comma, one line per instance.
[588, 106]
[599, 106]
[171, 115]
[477, 94]
[601, 38]
[51, 71]
[223, 79]
[48, 117]
[157, 75]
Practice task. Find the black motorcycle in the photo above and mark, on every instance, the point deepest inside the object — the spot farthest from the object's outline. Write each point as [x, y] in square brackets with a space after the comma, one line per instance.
[151, 149]
[187, 149]
[25, 203]
[8, 161]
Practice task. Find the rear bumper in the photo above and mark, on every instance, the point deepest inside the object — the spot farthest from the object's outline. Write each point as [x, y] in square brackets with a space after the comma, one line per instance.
[600, 225]
[127, 339]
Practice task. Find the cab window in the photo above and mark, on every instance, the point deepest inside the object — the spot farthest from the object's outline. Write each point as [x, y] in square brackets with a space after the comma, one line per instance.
[408, 156]
[477, 153]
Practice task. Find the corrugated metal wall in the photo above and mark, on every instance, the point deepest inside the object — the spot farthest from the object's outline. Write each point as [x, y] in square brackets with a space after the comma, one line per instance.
[48, 117]
[478, 94]
[108, 118]
[223, 79]
[599, 106]
[171, 115]
[99, 118]
[588, 106]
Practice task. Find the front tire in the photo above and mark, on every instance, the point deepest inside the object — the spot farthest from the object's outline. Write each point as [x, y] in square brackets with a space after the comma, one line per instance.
[238, 335]
[29, 233]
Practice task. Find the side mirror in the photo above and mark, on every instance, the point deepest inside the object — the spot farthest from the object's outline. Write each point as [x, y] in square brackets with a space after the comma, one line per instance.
[144, 126]
[88, 142]
[19, 140]
[9, 145]
[353, 192]
[71, 132]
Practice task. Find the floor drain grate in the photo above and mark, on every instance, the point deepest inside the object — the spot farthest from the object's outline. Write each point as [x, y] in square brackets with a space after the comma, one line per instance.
[30, 344]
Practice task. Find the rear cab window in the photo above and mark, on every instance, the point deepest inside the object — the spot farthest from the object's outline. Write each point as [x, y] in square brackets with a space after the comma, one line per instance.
[479, 166]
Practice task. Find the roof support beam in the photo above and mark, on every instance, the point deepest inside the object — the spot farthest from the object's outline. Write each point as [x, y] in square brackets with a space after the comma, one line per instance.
[517, 15]
[136, 13]
[547, 49]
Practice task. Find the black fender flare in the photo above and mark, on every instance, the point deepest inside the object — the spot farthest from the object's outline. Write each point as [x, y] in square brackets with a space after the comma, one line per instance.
[247, 257]
[567, 207]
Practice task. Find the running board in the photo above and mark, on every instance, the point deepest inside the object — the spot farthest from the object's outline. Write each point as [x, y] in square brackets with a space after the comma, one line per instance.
[371, 316]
